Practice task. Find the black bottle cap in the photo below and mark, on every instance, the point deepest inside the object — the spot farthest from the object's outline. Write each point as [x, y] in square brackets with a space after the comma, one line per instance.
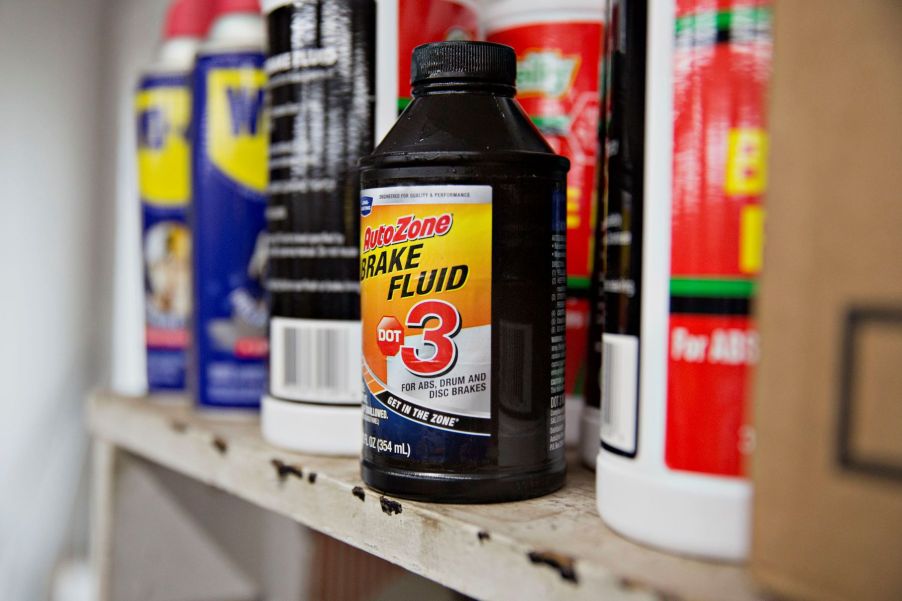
[461, 61]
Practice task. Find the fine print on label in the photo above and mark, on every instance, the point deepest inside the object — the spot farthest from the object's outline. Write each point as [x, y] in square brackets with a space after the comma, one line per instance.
[558, 341]
[425, 271]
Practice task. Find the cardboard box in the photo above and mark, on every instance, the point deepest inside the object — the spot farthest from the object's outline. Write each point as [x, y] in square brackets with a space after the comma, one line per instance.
[828, 465]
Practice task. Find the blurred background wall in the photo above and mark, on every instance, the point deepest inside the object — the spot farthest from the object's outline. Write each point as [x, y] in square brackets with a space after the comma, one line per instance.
[69, 223]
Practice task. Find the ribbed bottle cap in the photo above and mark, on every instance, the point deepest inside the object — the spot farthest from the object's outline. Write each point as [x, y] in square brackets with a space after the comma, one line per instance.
[464, 61]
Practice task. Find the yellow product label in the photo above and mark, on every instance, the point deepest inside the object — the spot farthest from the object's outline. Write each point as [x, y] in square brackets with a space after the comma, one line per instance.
[751, 239]
[237, 137]
[573, 207]
[164, 164]
[426, 298]
[746, 162]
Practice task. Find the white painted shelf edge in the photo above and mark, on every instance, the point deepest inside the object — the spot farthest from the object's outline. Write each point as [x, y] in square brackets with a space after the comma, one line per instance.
[554, 547]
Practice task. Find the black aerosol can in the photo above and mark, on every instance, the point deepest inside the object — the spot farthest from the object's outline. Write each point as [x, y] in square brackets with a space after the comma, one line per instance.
[463, 245]
[320, 66]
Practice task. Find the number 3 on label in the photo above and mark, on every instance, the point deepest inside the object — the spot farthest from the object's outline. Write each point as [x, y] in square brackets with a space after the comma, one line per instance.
[438, 337]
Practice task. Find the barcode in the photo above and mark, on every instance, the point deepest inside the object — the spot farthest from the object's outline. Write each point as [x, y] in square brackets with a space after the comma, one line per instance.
[315, 360]
[619, 404]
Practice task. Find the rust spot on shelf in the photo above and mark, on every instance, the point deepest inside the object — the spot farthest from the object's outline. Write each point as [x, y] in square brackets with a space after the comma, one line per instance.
[483, 536]
[560, 562]
[311, 477]
[629, 584]
[179, 426]
[357, 491]
[220, 445]
[283, 470]
[389, 506]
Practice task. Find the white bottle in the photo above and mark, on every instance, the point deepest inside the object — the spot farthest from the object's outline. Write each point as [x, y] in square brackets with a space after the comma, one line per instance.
[683, 243]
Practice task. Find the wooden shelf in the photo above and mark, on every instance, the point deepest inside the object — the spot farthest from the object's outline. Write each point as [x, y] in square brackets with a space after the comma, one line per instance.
[555, 547]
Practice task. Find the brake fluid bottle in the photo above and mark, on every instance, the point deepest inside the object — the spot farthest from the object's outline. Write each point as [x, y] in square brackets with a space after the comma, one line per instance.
[683, 235]
[229, 182]
[163, 113]
[463, 283]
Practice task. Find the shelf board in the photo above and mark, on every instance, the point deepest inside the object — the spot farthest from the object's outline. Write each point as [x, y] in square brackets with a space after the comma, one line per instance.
[554, 547]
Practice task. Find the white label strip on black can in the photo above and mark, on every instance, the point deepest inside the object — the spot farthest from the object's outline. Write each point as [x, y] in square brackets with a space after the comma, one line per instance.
[316, 359]
[619, 378]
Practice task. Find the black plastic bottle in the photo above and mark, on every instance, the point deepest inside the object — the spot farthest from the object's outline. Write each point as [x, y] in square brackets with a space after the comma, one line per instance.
[463, 246]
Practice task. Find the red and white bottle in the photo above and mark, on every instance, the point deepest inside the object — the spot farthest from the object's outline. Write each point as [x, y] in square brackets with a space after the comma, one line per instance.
[683, 233]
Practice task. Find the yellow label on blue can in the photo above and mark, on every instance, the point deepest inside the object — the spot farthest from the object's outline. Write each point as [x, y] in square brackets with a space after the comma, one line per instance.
[236, 133]
[163, 108]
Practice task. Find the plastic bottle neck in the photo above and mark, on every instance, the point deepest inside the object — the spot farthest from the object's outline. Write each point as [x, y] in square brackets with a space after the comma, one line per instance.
[463, 87]
[237, 29]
